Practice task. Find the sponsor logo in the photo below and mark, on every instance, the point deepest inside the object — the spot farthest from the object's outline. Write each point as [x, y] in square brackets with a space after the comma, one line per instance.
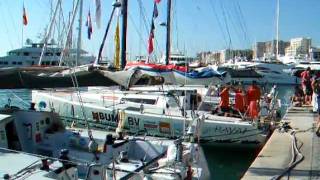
[164, 127]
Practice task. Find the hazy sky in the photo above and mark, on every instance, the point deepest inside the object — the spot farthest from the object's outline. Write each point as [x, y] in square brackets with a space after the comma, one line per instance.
[198, 25]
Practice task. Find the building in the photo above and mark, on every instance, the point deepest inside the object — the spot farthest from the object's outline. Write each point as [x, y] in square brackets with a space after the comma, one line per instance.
[314, 53]
[299, 47]
[269, 48]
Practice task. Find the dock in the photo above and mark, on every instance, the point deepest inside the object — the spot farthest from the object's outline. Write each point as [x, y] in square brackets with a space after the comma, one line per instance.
[276, 156]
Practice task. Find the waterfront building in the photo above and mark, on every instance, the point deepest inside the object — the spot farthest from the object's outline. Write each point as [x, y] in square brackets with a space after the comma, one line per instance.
[269, 48]
[299, 47]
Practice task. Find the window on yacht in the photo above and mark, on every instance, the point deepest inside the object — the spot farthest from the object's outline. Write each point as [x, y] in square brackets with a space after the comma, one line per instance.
[32, 63]
[136, 100]
[58, 53]
[1, 62]
[26, 53]
[5, 62]
[47, 63]
[19, 63]
[53, 63]
[14, 62]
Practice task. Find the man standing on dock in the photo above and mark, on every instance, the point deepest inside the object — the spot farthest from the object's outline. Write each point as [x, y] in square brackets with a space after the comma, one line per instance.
[306, 85]
[316, 90]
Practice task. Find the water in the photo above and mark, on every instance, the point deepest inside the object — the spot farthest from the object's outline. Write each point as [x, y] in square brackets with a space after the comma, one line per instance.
[224, 163]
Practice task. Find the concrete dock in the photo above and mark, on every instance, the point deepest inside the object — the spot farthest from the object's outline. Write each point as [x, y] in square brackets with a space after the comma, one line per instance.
[276, 155]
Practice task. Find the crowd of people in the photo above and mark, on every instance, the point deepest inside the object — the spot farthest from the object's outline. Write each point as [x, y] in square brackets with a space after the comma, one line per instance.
[246, 102]
[308, 93]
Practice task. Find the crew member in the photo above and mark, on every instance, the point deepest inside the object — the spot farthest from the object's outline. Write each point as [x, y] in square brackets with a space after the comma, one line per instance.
[253, 95]
[224, 99]
[240, 100]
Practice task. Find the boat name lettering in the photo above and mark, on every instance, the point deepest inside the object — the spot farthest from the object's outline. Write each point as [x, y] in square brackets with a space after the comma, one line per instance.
[230, 130]
[132, 121]
[99, 116]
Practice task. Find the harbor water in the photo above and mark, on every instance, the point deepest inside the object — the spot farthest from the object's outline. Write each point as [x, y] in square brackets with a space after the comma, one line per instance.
[224, 163]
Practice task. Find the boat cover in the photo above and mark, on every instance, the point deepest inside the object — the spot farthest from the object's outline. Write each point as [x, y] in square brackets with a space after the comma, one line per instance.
[15, 78]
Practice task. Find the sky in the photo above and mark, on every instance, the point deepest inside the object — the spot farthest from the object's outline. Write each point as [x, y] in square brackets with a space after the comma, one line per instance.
[197, 25]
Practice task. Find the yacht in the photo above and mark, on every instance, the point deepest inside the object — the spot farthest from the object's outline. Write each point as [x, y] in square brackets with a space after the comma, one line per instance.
[30, 55]
[271, 72]
[161, 113]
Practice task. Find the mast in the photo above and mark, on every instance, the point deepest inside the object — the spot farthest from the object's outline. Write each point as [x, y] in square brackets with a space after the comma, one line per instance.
[124, 33]
[168, 31]
[79, 33]
[69, 31]
[277, 29]
[49, 31]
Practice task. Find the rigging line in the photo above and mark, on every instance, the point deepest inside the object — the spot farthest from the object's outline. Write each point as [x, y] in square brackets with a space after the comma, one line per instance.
[143, 10]
[226, 24]
[244, 22]
[233, 24]
[6, 28]
[238, 19]
[219, 22]
[137, 31]
[9, 11]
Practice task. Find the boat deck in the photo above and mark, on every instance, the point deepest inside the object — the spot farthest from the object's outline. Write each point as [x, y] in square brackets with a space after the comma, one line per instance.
[276, 155]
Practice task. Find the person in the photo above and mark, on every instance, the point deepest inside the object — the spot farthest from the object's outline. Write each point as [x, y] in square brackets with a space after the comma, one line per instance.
[298, 96]
[224, 99]
[240, 100]
[253, 96]
[316, 89]
[306, 85]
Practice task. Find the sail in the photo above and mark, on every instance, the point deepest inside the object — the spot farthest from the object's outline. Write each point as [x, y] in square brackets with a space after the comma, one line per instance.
[117, 47]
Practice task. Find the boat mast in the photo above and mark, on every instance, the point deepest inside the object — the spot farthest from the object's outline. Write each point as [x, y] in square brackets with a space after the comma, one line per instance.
[69, 31]
[168, 31]
[277, 29]
[49, 32]
[124, 33]
[79, 34]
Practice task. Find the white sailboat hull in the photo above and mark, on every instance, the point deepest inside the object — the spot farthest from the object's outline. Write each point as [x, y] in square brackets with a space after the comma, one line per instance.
[157, 122]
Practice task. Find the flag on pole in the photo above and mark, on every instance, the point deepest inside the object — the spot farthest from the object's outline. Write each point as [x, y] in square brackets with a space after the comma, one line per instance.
[98, 13]
[157, 1]
[150, 40]
[89, 25]
[117, 46]
[24, 16]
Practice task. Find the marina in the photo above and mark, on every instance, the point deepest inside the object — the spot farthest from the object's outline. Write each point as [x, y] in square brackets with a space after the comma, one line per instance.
[159, 90]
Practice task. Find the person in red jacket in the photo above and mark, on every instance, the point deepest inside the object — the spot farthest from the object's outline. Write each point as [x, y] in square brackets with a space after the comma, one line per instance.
[253, 95]
[240, 100]
[224, 99]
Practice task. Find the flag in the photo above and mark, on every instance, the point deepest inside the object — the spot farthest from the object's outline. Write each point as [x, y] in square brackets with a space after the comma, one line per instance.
[117, 47]
[24, 17]
[157, 1]
[98, 13]
[151, 37]
[89, 25]
[155, 11]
